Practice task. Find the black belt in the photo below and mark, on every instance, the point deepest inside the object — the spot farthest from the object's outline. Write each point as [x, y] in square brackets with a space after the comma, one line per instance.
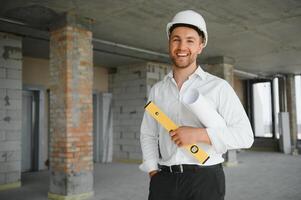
[184, 168]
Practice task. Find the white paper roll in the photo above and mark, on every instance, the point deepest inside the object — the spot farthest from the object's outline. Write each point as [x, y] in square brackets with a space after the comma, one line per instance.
[198, 105]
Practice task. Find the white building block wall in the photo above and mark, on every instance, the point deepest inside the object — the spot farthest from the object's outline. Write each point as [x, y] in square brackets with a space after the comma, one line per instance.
[10, 110]
[130, 86]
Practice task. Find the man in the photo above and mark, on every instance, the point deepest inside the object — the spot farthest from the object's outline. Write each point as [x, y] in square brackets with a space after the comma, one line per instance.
[175, 174]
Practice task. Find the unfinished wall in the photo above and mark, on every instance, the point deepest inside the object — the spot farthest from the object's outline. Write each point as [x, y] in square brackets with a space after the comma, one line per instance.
[10, 110]
[130, 87]
[36, 72]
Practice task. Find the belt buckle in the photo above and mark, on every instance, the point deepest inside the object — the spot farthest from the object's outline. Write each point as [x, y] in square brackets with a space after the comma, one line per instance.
[176, 169]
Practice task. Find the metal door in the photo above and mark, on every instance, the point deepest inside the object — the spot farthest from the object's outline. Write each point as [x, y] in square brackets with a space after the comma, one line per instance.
[95, 129]
[27, 127]
[102, 127]
[30, 130]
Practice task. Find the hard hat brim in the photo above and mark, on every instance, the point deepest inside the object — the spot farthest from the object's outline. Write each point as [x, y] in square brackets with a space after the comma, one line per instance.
[170, 24]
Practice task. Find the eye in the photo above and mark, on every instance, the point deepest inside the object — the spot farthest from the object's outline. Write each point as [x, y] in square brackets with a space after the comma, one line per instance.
[190, 41]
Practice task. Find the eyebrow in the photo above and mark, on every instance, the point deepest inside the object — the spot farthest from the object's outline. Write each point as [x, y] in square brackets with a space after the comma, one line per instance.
[189, 37]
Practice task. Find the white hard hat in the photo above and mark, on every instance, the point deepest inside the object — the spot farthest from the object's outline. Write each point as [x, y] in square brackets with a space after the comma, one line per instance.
[189, 17]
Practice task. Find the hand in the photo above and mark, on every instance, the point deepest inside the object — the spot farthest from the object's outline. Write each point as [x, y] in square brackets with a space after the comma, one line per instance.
[152, 173]
[186, 135]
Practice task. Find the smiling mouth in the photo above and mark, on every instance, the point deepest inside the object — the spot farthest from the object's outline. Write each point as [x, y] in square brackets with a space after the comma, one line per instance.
[182, 54]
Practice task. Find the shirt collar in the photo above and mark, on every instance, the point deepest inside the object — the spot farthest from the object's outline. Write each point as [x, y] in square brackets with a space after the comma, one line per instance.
[198, 72]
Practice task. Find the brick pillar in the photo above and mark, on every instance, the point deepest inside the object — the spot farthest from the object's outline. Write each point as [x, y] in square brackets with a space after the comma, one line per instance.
[10, 110]
[71, 80]
[130, 86]
[223, 67]
[292, 110]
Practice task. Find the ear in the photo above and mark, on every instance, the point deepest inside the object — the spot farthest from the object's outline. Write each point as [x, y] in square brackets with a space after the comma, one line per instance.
[201, 46]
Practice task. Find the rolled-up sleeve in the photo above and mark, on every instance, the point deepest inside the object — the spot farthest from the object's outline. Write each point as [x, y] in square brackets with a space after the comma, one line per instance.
[237, 133]
[149, 141]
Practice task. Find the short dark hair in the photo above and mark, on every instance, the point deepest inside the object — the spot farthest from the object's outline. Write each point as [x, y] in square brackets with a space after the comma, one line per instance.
[201, 33]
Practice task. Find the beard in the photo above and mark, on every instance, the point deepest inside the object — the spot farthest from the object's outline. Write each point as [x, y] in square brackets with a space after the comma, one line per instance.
[183, 62]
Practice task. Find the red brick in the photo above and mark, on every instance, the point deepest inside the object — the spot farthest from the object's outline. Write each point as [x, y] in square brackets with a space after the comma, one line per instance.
[71, 145]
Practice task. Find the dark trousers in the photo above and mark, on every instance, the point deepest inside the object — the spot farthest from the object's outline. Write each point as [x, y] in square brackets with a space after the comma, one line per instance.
[206, 183]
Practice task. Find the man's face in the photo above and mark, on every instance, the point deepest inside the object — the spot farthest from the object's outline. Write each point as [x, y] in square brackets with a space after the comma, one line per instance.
[184, 46]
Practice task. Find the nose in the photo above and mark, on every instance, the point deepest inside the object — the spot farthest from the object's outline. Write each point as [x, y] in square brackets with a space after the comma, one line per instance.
[182, 45]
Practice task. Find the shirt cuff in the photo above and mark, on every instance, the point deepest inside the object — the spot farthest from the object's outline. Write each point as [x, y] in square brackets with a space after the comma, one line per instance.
[148, 166]
[216, 142]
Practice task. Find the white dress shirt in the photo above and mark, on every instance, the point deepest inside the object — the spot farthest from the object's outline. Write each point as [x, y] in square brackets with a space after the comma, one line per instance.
[165, 94]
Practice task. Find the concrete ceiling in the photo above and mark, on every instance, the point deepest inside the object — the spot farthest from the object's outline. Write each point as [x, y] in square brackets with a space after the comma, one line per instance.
[262, 36]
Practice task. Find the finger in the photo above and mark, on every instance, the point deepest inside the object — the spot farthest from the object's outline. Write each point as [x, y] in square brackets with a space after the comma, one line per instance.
[174, 138]
[178, 142]
[172, 133]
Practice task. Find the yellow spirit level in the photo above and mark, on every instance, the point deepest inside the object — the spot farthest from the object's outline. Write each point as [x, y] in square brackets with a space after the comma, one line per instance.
[169, 125]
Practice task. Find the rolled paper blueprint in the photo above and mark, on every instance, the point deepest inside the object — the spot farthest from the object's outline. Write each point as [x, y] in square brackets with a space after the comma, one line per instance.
[199, 105]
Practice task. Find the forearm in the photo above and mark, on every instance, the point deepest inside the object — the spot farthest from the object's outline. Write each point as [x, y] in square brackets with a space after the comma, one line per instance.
[186, 135]
[202, 136]
[232, 137]
[149, 144]
[150, 154]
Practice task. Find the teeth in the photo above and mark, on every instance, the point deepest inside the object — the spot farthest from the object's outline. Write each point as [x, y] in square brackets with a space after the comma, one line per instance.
[182, 54]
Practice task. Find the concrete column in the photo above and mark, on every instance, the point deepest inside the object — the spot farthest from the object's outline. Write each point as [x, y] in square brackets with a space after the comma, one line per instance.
[292, 110]
[130, 86]
[10, 110]
[71, 81]
[223, 67]
[283, 116]
[282, 94]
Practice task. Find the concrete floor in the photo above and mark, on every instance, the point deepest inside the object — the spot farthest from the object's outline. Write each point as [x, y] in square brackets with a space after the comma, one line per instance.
[259, 176]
